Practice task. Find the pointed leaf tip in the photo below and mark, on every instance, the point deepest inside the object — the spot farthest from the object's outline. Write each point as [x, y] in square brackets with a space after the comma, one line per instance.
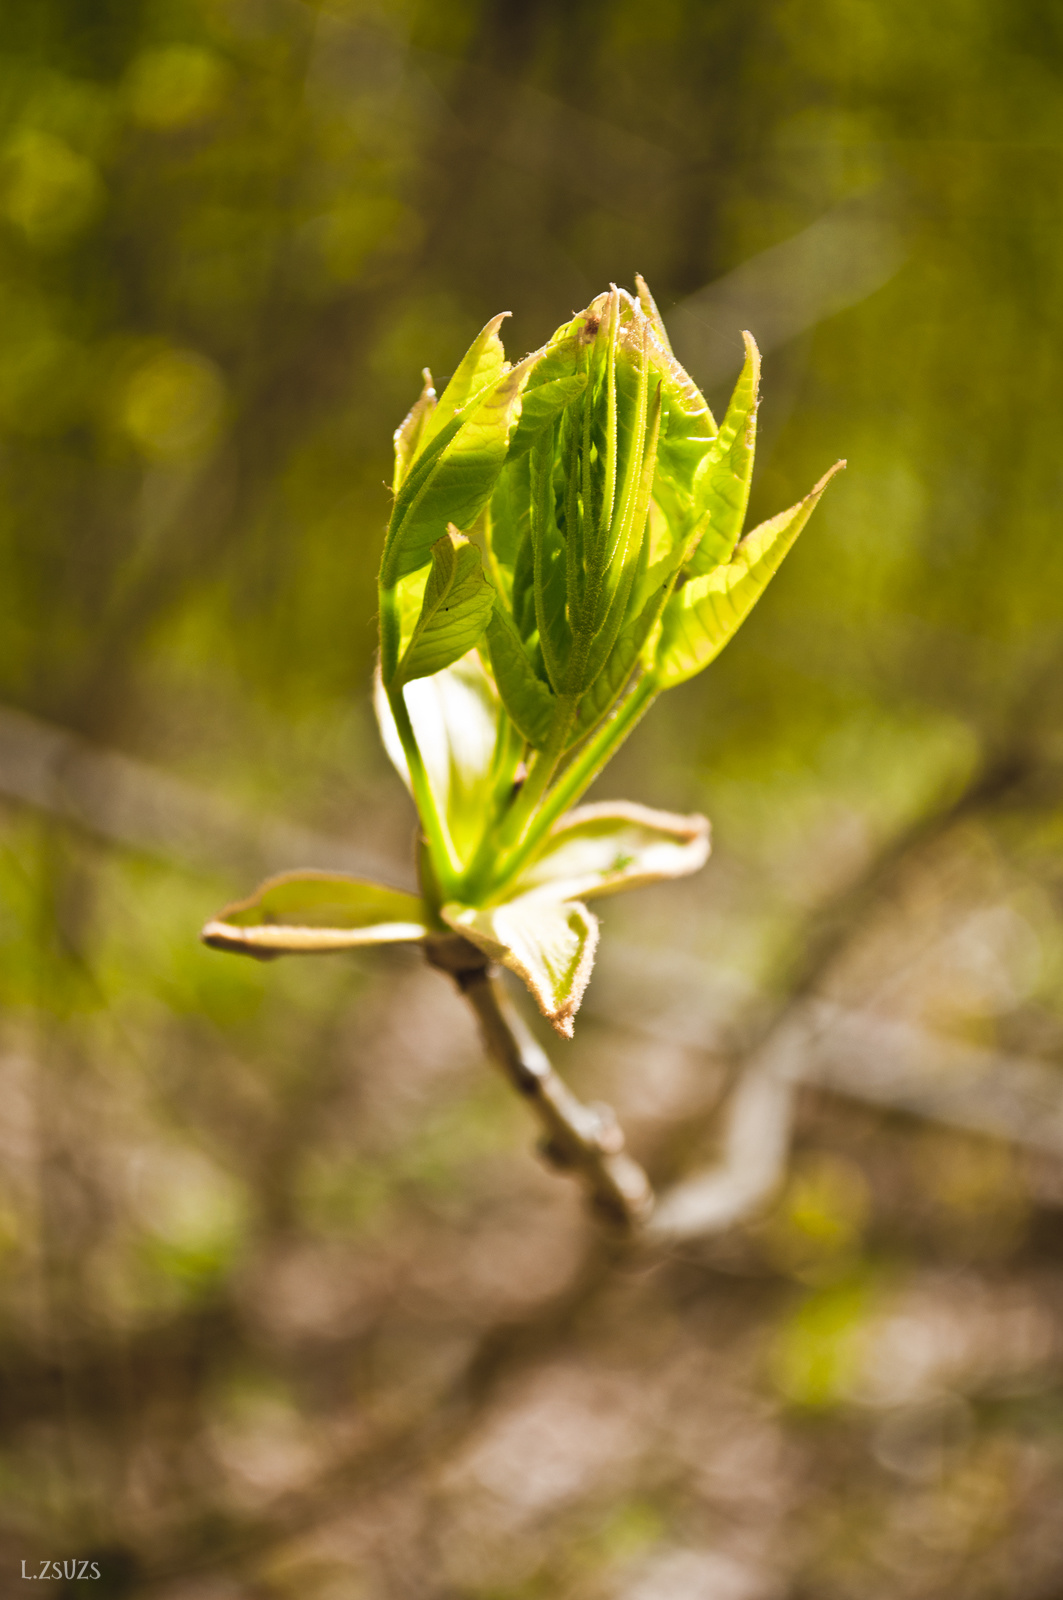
[703, 616]
[723, 478]
[483, 363]
[651, 313]
[409, 435]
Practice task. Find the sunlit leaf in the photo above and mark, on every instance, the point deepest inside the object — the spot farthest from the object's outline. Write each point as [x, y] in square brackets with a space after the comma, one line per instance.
[655, 584]
[619, 625]
[409, 601]
[453, 477]
[409, 435]
[549, 944]
[703, 616]
[675, 525]
[606, 688]
[602, 848]
[687, 425]
[483, 363]
[527, 699]
[311, 913]
[457, 603]
[509, 526]
[721, 486]
[650, 312]
[541, 407]
[549, 572]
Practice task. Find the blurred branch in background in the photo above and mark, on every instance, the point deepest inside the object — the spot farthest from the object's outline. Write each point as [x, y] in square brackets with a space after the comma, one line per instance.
[837, 261]
[129, 803]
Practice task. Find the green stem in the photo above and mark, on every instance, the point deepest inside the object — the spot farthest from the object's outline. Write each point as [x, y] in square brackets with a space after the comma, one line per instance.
[440, 845]
[510, 747]
[543, 769]
[390, 633]
[576, 779]
[441, 850]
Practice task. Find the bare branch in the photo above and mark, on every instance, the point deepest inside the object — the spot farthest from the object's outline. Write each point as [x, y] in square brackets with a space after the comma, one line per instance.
[583, 1139]
[755, 1148]
[140, 807]
[588, 1140]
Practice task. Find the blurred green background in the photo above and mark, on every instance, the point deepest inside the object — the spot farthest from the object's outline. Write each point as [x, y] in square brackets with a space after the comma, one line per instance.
[288, 1307]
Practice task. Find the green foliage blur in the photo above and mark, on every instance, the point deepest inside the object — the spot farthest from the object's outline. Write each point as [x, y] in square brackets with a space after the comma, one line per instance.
[232, 232]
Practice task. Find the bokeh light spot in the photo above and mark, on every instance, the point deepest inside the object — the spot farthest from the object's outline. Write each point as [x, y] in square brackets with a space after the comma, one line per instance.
[51, 191]
[175, 87]
[173, 404]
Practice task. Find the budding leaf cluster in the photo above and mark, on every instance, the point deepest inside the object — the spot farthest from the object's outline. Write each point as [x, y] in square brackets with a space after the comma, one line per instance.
[566, 542]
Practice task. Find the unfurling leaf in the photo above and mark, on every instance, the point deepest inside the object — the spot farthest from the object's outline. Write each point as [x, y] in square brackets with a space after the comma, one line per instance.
[457, 604]
[483, 363]
[613, 845]
[548, 943]
[722, 481]
[607, 687]
[308, 913]
[409, 435]
[652, 315]
[527, 699]
[707, 612]
[541, 406]
[608, 564]
[452, 478]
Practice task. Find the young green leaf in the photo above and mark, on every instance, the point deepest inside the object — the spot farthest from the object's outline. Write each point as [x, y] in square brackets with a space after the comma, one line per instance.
[409, 435]
[619, 621]
[613, 845]
[722, 482]
[652, 315]
[483, 363]
[638, 429]
[687, 425]
[542, 405]
[311, 913]
[522, 587]
[453, 477]
[707, 612]
[507, 525]
[548, 943]
[677, 519]
[457, 604]
[548, 548]
[527, 699]
[606, 688]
